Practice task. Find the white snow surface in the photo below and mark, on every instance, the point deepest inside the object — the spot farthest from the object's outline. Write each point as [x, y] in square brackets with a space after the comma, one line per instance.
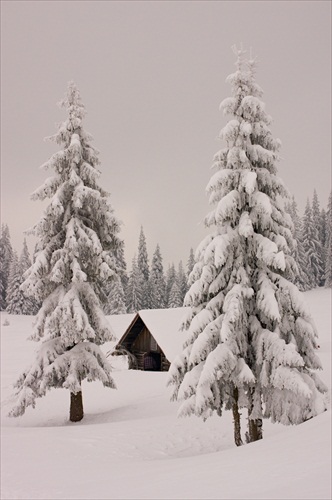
[131, 445]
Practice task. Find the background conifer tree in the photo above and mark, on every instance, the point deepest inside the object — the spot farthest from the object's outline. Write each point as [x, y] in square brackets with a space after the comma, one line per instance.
[250, 340]
[144, 271]
[122, 265]
[170, 279]
[328, 245]
[191, 262]
[77, 242]
[157, 281]
[300, 278]
[25, 259]
[182, 282]
[311, 247]
[318, 224]
[175, 295]
[115, 298]
[134, 291]
[15, 298]
[25, 264]
[6, 254]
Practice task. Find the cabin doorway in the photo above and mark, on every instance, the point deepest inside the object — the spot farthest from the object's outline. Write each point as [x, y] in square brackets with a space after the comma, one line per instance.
[152, 361]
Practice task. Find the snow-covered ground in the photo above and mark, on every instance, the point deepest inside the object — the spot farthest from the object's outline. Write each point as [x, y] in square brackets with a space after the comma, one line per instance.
[130, 444]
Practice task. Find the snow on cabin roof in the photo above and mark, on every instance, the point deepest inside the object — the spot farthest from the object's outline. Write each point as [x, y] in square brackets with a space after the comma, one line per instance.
[119, 323]
[164, 325]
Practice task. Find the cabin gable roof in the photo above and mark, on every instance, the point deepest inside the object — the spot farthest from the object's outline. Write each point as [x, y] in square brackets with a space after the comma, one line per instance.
[163, 325]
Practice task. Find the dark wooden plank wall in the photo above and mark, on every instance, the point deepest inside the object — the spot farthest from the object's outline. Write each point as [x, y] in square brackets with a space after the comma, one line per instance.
[143, 345]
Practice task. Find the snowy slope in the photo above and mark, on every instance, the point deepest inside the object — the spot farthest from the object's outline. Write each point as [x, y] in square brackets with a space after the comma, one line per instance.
[131, 445]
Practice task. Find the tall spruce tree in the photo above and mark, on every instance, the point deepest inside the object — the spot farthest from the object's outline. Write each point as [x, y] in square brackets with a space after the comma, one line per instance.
[122, 265]
[17, 301]
[311, 247]
[191, 262]
[317, 222]
[144, 271]
[182, 282]
[328, 245]
[170, 279]
[157, 281]
[25, 264]
[77, 242]
[134, 291]
[323, 239]
[15, 298]
[6, 254]
[300, 278]
[250, 340]
[115, 297]
[175, 296]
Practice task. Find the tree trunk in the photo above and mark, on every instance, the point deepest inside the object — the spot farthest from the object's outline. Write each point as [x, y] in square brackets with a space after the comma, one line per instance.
[255, 425]
[237, 418]
[76, 407]
[255, 429]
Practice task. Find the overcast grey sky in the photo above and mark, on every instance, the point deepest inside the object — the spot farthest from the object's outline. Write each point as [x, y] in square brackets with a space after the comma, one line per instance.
[152, 76]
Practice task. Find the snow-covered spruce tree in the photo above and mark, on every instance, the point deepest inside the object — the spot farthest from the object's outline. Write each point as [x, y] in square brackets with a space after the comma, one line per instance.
[300, 278]
[77, 238]
[175, 296]
[323, 239]
[17, 301]
[25, 264]
[15, 297]
[122, 265]
[25, 260]
[182, 281]
[250, 340]
[6, 253]
[328, 245]
[157, 281]
[311, 247]
[191, 262]
[115, 298]
[144, 271]
[134, 292]
[170, 279]
[317, 222]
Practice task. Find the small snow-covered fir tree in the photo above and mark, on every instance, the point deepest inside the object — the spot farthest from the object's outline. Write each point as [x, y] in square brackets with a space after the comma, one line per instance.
[134, 292]
[311, 247]
[328, 245]
[17, 301]
[25, 264]
[250, 340]
[77, 242]
[157, 281]
[25, 260]
[182, 281]
[317, 222]
[15, 298]
[115, 298]
[191, 262]
[6, 254]
[300, 278]
[175, 296]
[122, 265]
[170, 279]
[144, 271]
[323, 239]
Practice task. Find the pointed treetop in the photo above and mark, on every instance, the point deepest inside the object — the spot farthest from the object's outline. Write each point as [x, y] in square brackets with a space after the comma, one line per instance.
[240, 53]
[74, 105]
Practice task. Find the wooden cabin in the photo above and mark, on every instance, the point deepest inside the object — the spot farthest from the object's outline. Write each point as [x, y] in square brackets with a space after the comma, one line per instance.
[152, 339]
